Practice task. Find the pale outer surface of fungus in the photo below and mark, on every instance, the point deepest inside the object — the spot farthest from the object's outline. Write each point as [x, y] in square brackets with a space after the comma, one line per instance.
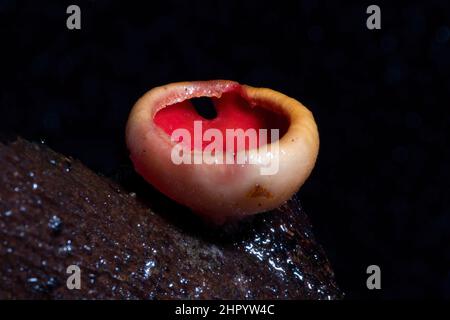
[218, 191]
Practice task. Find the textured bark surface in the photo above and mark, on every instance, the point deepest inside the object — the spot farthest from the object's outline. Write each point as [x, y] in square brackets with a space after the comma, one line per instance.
[55, 212]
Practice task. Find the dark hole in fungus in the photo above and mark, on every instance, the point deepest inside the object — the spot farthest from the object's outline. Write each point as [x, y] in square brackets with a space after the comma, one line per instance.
[204, 107]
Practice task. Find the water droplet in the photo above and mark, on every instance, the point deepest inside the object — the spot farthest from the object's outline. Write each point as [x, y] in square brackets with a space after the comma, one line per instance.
[92, 278]
[149, 265]
[278, 268]
[198, 291]
[67, 249]
[101, 263]
[31, 174]
[298, 275]
[35, 285]
[53, 161]
[55, 224]
[52, 282]
[8, 213]
[67, 166]
[35, 186]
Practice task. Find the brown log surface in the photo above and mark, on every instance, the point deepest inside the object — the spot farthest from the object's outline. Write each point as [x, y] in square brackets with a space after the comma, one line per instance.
[55, 212]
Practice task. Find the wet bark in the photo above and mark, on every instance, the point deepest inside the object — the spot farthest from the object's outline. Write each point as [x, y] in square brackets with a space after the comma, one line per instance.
[55, 212]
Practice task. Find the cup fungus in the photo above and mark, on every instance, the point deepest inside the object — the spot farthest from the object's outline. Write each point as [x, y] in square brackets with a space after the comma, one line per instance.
[221, 148]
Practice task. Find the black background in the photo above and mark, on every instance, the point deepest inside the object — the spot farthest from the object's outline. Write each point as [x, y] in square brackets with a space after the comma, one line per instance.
[379, 193]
